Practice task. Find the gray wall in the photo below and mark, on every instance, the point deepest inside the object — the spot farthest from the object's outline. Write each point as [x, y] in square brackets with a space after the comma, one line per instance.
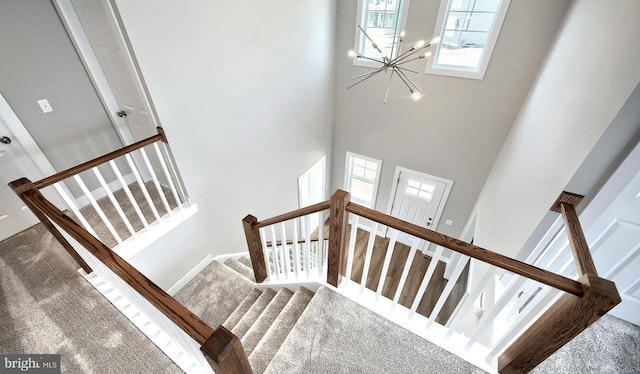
[39, 62]
[245, 92]
[459, 126]
[576, 97]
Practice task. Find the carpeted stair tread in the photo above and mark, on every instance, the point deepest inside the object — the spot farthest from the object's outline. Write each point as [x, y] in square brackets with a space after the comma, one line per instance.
[246, 261]
[265, 320]
[240, 311]
[253, 313]
[241, 269]
[215, 293]
[266, 349]
[337, 335]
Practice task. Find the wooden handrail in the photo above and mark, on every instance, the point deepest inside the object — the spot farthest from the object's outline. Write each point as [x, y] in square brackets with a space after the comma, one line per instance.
[55, 178]
[579, 246]
[294, 214]
[289, 242]
[191, 324]
[503, 262]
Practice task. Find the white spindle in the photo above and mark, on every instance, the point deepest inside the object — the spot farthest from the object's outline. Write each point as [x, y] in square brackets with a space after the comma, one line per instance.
[320, 249]
[506, 297]
[172, 187]
[274, 251]
[156, 183]
[143, 187]
[464, 260]
[367, 258]
[468, 303]
[114, 201]
[127, 191]
[176, 172]
[74, 208]
[426, 279]
[352, 245]
[387, 261]
[95, 205]
[265, 251]
[405, 271]
[544, 299]
[306, 224]
[296, 252]
[285, 251]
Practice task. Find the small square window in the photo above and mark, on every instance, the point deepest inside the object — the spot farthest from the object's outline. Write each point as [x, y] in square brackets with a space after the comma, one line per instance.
[361, 178]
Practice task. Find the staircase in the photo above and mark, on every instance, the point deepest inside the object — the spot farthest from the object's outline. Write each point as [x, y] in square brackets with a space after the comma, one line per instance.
[286, 331]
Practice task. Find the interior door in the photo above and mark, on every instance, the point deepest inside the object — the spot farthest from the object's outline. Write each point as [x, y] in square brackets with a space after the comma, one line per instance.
[99, 23]
[14, 216]
[614, 240]
[419, 199]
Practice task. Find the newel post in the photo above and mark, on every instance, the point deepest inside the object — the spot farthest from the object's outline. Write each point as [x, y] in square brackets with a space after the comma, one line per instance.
[21, 187]
[571, 314]
[338, 222]
[254, 243]
[225, 353]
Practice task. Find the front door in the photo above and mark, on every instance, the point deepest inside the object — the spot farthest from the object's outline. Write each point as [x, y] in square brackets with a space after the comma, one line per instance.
[104, 36]
[418, 198]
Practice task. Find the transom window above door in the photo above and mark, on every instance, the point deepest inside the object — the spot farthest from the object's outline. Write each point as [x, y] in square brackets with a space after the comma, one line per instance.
[362, 176]
[383, 20]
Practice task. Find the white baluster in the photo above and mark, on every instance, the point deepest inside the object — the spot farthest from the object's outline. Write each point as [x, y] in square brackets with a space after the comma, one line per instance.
[468, 303]
[127, 191]
[115, 202]
[74, 208]
[506, 297]
[306, 224]
[296, 252]
[405, 271]
[156, 183]
[352, 245]
[387, 261]
[286, 260]
[464, 260]
[265, 251]
[95, 205]
[367, 258]
[172, 163]
[143, 187]
[274, 251]
[425, 280]
[172, 187]
[320, 249]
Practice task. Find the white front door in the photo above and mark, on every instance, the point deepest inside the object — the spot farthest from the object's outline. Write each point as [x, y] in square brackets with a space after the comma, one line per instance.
[614, 240]
[105, 38]
[418, 198]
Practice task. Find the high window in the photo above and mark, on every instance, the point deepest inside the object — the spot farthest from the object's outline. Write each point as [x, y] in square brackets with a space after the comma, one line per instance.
[468, 30]
[361, 178]
[383, 20]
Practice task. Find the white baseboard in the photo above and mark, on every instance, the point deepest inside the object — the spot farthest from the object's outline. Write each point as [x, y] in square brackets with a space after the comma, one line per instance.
[235, 256]
[190, 275]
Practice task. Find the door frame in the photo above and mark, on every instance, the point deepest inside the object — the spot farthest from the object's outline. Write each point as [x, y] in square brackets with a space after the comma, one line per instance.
[80, 41]
[445, 195]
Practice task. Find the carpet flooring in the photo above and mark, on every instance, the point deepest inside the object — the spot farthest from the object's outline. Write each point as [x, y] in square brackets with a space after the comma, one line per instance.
[47, 307]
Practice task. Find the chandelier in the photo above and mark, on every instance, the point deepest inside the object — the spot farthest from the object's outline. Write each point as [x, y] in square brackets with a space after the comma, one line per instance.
[394, 62]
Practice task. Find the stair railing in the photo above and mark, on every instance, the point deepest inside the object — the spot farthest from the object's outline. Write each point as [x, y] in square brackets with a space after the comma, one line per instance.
[222, 349]
[491, 324]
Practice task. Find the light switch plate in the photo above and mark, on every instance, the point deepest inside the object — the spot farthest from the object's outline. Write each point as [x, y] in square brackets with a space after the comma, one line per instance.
[449, 222]
[45, 106]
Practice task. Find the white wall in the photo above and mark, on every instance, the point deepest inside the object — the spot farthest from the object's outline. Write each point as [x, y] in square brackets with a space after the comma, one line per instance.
[459, 126]
[588, 76]
[244, 91]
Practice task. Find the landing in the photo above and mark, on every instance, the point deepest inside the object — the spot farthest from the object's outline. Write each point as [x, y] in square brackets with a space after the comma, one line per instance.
[336, 335]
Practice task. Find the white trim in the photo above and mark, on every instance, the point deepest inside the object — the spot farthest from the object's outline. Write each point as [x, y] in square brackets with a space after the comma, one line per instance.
[81, 42]
[359, 38]
[445, 195]
[347, 174]
[190, 275]
[459, 71]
